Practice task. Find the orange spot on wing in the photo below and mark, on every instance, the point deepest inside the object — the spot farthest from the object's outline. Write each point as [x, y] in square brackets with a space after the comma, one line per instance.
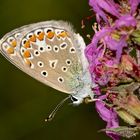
[41, 36]
[63, 34]
[28, 62]
[50, 35]
[14, 43]
[27, 44]
[10, 50]
[27, 54]
[33, 38]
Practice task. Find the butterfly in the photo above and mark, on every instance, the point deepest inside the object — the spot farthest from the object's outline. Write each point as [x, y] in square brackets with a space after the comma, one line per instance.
[52, 53]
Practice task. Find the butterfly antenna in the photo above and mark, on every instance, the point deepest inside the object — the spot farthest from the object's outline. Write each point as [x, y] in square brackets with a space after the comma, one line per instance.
[51, 116]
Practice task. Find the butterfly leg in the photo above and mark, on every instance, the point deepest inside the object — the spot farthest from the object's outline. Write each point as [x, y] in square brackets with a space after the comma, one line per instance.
[89, 100]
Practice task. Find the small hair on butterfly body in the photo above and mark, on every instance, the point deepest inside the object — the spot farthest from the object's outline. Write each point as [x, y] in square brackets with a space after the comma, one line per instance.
[52, 53]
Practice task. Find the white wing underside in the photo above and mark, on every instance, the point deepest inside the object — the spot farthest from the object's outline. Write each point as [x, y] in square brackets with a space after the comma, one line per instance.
[79, 62]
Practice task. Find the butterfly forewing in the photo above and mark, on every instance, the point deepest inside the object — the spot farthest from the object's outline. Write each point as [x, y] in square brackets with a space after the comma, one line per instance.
[47, 52]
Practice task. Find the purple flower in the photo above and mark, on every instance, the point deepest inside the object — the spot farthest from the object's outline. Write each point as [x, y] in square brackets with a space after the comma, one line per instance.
[99, 6]
[103, 8]
[109, 116]
[109, 51]
[108, 43]
[134, 4]
[125, 20]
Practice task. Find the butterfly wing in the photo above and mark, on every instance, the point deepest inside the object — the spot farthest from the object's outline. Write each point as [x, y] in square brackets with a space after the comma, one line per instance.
[48, 51]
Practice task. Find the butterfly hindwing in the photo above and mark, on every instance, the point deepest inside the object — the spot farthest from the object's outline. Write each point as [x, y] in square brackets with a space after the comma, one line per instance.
[47, 51]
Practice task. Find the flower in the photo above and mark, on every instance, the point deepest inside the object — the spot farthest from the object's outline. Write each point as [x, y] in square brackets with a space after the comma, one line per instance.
[111, 57]
[108, 115]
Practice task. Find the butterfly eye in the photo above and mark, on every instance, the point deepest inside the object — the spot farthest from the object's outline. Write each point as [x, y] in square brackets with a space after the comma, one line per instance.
[10, 39]
[23, 42]
[74, 99]
[68, 62]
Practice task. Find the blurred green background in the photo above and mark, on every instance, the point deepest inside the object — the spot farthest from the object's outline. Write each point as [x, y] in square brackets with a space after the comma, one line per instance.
[25, 102]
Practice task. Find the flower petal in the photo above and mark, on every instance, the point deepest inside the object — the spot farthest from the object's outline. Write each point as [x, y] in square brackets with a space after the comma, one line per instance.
[102, 6]
[125, 20]
[108, 115]
[134, 5]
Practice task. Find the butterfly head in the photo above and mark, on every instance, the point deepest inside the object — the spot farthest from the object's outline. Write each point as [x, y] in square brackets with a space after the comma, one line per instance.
[83, 90]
